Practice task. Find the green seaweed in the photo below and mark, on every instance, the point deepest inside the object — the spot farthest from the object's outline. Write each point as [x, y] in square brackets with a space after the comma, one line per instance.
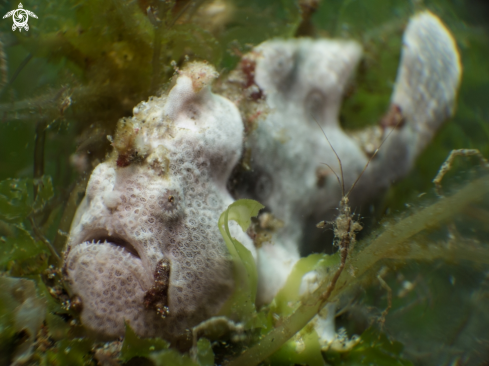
[289, 294]
[22, 254]
[302, 349]
[85, 64]
[205, 355]
[392, 243]
[22, 312]
[373, 348]
[14, 200]
[158, 351]
[172, 357]
[134, 346]
[70, 352]
[25, 250]
[241, 304]
[44, 192]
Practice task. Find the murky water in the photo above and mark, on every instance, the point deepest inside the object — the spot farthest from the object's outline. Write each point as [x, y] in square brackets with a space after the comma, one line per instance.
[82, 66]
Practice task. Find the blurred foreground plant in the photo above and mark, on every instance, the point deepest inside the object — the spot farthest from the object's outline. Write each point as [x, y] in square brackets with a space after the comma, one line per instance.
[278, 332]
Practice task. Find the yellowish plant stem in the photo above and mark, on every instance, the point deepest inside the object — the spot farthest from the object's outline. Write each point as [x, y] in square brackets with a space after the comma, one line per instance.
[390, 244]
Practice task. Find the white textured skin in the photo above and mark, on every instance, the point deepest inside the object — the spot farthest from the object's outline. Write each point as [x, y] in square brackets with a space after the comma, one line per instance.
[427, 83]
[200, 136]
[304, 81]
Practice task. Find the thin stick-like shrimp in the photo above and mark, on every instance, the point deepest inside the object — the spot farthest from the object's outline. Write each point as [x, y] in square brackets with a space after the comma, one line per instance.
[345, 227]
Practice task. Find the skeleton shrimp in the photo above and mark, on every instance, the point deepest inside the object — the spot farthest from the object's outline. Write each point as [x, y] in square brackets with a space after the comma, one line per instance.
[345, 226]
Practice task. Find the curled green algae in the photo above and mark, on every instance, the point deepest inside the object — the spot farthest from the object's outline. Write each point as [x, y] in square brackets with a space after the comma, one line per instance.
[241, 304]
[395, 241]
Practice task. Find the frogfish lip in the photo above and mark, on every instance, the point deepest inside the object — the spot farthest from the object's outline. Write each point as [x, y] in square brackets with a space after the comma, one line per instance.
[108, 275]
[116, 241]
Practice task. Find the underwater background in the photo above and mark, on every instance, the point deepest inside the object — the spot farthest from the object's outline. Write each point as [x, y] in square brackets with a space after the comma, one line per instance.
[83, 65]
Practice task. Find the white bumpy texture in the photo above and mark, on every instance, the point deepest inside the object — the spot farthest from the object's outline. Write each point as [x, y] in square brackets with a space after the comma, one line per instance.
[303, 82]
[158, 198]
[162, 206]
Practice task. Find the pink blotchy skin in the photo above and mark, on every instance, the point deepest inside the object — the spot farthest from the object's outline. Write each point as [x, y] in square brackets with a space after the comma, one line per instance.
[144, 246]
[161, 210]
